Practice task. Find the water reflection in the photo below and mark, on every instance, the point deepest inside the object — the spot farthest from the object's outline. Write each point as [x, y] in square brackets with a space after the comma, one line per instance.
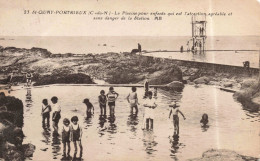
[102, 121]
[175, 145]
[46, 136]
[149, 142]
[28, 97]
[88, 121]
[56, 141]
[112, 128]
[202, 56]
[132, 122]
[204, 128]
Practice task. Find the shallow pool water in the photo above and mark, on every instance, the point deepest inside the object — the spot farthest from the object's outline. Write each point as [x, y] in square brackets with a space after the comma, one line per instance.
[230, 127]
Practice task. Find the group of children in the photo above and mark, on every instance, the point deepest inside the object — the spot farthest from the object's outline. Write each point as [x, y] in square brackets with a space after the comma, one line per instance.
[73, 132]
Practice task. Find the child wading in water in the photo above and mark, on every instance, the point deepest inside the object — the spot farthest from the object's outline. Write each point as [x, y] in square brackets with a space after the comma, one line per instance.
[111, 99]
[133, 100]
[102, 99]
[56, 113]
[149, 105]
[174, 111]
[89, 105]
[76, 134]
[46, 109]
[66, 136]
[204, 120]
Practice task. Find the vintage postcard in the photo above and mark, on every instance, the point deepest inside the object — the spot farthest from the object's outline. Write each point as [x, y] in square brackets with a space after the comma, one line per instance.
[130, 80]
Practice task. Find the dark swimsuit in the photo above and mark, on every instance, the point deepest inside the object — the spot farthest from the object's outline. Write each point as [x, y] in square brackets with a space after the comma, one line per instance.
[65, 136]
[175, 119]
[75, 134]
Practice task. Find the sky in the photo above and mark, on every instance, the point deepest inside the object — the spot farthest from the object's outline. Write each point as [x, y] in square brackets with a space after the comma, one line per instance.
[245, 19]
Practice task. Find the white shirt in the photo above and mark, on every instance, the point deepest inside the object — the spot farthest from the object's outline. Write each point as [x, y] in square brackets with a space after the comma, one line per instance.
[66, 128]
[56, 107]
[149, 112]
[149, 102]
[45, 108]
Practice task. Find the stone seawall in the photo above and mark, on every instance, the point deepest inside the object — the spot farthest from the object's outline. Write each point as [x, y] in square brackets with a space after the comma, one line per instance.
[210, 66]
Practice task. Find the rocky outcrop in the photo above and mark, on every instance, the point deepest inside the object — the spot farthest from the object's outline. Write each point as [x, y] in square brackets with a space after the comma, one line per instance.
[73, 78]
[249, 91]
[12, 109]
[222, 155]
[175, 86]
[41, 52]
[202, 80]
[11, 134]
[22, 51]
[11, 152]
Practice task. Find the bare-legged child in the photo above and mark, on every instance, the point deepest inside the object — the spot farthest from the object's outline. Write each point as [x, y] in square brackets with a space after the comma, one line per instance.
[174, 111]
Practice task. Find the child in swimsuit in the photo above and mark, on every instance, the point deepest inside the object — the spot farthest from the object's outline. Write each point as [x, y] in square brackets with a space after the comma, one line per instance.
[102, 99]
[111, 99]
[56, 113]
[76, 134]
[46, 109]
[204, 120]
[89, 105]
[174, 111]
[133, 100]
[66, 136]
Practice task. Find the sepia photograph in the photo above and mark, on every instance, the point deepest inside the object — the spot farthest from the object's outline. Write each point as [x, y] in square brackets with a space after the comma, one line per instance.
[130, 80]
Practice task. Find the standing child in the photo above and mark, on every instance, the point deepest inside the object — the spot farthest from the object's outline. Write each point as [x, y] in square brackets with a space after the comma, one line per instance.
[111, 99]
[204, 120]
[66, 136]
[89, 105]
[149, 105]
[56, 113]
[46, 109]
[133, 100]
[76, 134]
[102, 99]
[174, 111]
